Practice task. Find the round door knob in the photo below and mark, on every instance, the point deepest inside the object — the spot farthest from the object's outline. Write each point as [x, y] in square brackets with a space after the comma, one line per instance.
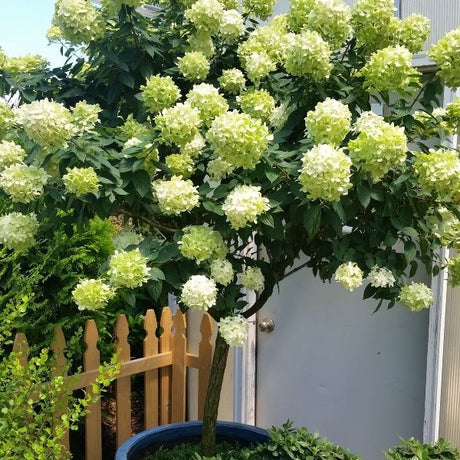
[266, 325]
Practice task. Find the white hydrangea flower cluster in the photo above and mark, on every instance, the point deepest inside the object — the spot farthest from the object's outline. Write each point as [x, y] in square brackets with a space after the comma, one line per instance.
[217, 169]
[390, 69]
[222, 271]
[307, 54]
[175, 195]
[259, 66]
[206, 15]
[194, 147]
[413, 32]
[262, 9]
[230, 4]
[194, 66]
[379, 146]
[381, 277]
[201, 243]
[445, 55]
[438, 171]
[243, 205]
[78, 21]
[416, 296]
[452, 116]
[29, 63]
[252, 278]
[84, 116]
[201, 42]
[132, 128]
[208, 101]
[23, 183]
[332, 20]
[81, 181]
[199, 293]
[17, 231]
[91, 294]
[6, 119]
[298, 14]
[234, 330]
[238, 139]
[453, 266]
[258, 103]
[329, 123]
[371, 20]
[448, 231]
[10, 153]
[159, 93]
[128, 269]
[180, 164]
[178, 124]
[45, 122]
[232, 25]
[325, 173]
[281, 114]
[349, 275]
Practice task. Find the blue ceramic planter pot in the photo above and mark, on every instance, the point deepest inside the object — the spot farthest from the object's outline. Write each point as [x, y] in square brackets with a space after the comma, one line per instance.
[137, 446]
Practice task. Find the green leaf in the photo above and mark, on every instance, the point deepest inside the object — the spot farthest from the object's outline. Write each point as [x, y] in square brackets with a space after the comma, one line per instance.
[127, 79]
[156, 274]
[364, 195]
[312, 220]
[212, 207]
[410, 231]
[272, 176]
[267, 219]
[142, 182]
[410, 251]
[166, 253]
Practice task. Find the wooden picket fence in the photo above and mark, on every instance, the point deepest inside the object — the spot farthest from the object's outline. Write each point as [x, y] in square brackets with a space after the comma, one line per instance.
[164, 365]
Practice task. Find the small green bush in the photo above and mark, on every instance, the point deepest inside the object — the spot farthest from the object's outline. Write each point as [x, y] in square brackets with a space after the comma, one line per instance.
[415, 450]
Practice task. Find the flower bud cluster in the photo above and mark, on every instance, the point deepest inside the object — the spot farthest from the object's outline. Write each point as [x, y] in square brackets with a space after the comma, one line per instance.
[84, 116]
[243, 205]
[208, 101]
[81, 181]
[128, 269]
[349, 275]
[329, 123]
[416, 296]
[252, 278]
[199, 293]
[258, 103]
[234, 330]
[23, 183]
[413, 32]
[222, 271]
[381, 277]
[92, 294]
[238, 139]
[180, 164]
[202, 243]
[379, 146]
[201, 42]
[325, 173]
[175, 195]
[10, 153]
[194, 66]
[17, 231]
[158, 93]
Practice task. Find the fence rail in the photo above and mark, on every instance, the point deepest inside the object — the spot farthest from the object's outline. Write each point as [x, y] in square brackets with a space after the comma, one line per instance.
[164, 365]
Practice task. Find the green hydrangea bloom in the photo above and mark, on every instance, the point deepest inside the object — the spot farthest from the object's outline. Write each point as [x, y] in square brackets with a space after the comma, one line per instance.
[10, 153]
[232, 81]
[234, 330]
[6, 119]
[180, 164]
[307, 54]
[24, 64]
[232, 25]
[91, 294]
[194, 147]
[178, 124]
[262, 9]
[78, 21]
[81, 181]
[332, 20]
[159, 92]
[199, 293]
[206, 15]
[258, 103]
[329, 123]
[202, 243]
[201, 42]
[381, 277]
[132, 128]
[238, 139]
[46, 122]
[371, 21]
[413, 32]
[325, 173]
[445, 226]
[379, 146]
[349, 275]
[84, 116]
[438, 171]
[208, 101]
[217, 169]
[453, 266]
[175, 195]
[23, 183]
[259, 66]
[298, 14]
[252, 278]
[243, 205]
[222, 271]
[390, 69]
[194, 66]
[230, 4]
[128, 269]
[17, 231]
[416, 296]
[445, 54]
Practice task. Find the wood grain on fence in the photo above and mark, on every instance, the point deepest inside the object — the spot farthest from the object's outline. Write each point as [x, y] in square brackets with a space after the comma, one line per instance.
[164, 365]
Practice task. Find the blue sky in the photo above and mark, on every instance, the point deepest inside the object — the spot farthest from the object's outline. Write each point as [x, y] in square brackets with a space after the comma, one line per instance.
[23, 26]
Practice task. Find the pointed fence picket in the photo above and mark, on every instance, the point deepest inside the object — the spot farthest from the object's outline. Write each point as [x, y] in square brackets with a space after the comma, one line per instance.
[164, 365]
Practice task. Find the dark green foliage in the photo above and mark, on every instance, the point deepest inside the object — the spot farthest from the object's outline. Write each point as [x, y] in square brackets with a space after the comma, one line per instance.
[412, 449]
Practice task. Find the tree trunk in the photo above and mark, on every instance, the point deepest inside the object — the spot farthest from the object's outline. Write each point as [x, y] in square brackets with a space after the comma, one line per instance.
[208, 441]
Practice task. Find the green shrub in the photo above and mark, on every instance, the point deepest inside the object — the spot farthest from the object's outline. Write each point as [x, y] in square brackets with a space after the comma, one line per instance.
[415, 450]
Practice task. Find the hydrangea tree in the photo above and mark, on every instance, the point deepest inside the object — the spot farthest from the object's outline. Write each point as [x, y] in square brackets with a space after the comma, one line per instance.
[234, 148]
